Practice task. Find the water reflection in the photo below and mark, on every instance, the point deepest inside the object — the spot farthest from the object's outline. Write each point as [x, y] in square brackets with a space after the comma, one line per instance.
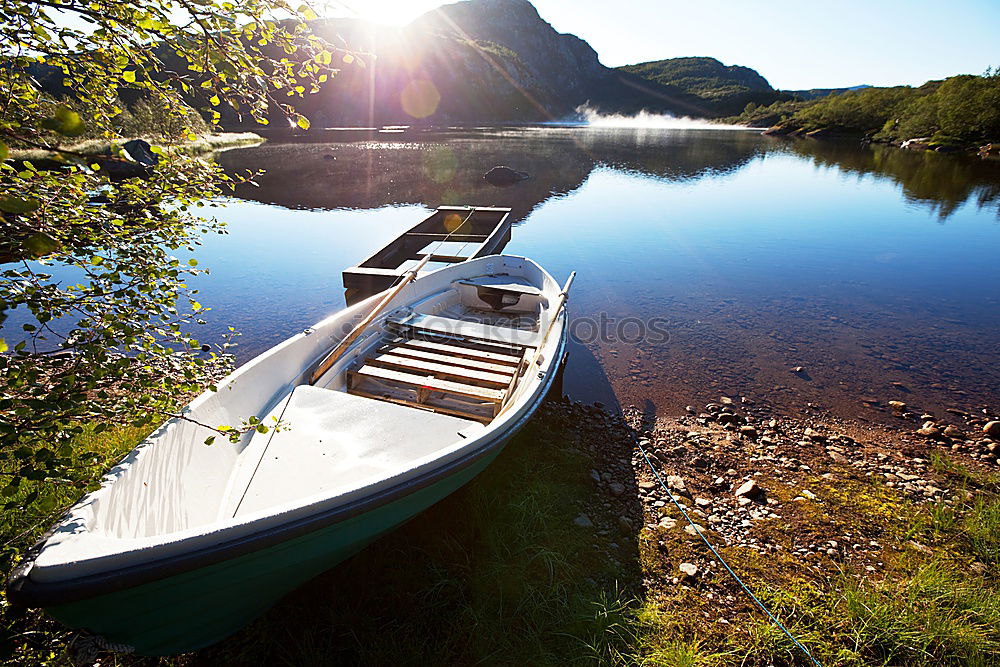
[942, 183]
[433, 168]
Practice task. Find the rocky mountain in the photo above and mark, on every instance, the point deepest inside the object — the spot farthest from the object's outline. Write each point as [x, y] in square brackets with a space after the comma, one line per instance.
[722, 89]
[475, 61]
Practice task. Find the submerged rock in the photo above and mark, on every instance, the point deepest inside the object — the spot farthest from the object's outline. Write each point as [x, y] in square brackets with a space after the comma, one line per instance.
[502, 176]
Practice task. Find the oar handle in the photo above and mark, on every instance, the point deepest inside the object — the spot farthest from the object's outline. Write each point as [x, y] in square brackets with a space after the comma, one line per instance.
[563, 296]
[330, 359]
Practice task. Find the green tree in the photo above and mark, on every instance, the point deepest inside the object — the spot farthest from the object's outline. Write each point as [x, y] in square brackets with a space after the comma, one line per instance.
[99, 264]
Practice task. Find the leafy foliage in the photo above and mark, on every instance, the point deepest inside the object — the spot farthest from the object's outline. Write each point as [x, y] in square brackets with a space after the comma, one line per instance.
[960, 110]
[96, 264]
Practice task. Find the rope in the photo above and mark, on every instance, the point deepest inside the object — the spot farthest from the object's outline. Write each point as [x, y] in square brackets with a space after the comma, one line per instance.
[86, 648]
[719, 557]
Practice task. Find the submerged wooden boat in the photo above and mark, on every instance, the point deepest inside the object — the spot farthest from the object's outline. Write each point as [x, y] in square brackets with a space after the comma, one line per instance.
[184, 543]
[450, 235]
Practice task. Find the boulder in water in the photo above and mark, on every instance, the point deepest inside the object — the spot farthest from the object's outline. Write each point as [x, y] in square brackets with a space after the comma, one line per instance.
[502, 176]
[139, 160]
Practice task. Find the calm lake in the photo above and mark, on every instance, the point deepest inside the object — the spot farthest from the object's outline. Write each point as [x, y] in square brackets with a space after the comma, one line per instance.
[875, 270]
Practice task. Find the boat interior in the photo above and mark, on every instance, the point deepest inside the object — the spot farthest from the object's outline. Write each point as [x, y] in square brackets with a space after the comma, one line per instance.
[449, 235]
[437, 373]
[420, 379]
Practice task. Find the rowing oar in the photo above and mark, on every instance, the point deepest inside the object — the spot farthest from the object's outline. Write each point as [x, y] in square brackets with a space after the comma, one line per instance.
[331, 358]
[563, 295]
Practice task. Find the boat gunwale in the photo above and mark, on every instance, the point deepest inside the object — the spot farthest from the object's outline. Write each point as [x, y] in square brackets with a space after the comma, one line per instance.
[22, 590]
[371, 268]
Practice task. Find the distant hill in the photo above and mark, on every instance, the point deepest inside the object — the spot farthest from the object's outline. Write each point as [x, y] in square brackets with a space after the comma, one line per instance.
[816, 93]
[722, 89]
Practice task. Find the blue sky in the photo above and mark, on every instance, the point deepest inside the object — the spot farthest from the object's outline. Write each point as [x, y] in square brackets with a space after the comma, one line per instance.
[800, 44]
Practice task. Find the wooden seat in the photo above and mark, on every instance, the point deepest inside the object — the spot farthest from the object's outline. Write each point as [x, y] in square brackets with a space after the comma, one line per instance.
[462, 330]
[465, 378]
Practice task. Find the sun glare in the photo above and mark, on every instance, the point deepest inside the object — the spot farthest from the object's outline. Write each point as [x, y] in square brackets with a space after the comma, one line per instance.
[385, 12]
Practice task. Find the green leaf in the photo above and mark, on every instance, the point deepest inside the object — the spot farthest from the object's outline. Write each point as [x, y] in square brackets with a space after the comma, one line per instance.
[209, 440]
[3, 345]
[302, 122]
[41, 244]
[66, 122]
[4, 151]
[129, 76]
[19, 205]
[214, 100]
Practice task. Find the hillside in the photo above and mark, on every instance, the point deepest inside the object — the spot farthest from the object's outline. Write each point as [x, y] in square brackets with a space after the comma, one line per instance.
[816, 93]
[959, 112]
[722, 89]
[472, 61]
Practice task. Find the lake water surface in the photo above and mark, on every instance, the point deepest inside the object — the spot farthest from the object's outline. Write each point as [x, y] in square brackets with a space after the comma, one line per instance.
[876, 270]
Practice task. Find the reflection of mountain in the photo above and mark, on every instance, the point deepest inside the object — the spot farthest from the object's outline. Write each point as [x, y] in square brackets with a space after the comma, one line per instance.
[447, 167]
[941, 182]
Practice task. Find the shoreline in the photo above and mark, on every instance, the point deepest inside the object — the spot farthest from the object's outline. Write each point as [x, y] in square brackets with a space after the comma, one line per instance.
[204, 144]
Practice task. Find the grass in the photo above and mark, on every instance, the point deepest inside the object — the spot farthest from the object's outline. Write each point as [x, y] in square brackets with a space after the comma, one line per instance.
[499, 574]
[29, 635]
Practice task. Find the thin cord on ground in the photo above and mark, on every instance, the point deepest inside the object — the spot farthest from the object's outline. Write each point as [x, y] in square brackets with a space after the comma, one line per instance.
[719, 557]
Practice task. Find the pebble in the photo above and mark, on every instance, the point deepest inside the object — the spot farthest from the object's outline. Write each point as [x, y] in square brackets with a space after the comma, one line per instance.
[690, 570]
[749, 489]
[616, 488]
[992, 429]
[583, 521]
[676, 482]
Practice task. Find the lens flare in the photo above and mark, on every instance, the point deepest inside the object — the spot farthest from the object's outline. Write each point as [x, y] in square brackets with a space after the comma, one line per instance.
[420, 98]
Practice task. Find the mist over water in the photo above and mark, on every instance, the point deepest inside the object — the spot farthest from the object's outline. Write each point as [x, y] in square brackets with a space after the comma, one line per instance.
[646, 120]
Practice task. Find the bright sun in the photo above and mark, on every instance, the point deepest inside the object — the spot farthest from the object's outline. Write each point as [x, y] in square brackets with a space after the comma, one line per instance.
[386, 12]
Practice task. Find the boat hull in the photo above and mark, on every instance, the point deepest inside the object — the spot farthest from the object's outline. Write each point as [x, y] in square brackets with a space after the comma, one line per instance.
[191, 597]
[200, 607]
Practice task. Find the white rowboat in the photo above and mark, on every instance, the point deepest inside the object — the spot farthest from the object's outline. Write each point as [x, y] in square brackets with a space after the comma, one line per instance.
[184, 542]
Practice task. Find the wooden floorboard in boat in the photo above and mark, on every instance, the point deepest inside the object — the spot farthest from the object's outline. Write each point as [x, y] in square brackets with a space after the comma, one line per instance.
[453, 360]
[431, 407]
[445, 371]
[508, 356]
[429, 382]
